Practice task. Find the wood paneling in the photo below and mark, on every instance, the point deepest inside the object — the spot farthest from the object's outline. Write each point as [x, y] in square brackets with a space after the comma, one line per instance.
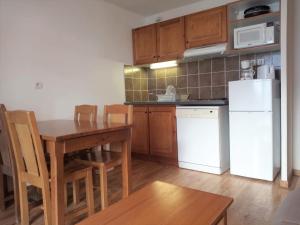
[140, 133]
[162, 131]
[144, 44]
[206, 28]
[170, 39]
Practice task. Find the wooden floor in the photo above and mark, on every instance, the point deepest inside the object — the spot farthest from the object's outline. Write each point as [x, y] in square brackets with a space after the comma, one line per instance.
[254, 201]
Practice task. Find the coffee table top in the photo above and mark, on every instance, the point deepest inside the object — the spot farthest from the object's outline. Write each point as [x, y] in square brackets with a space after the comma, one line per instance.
[164, 204]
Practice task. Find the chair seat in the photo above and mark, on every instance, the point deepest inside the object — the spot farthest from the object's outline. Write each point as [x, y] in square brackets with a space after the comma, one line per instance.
[102, 158]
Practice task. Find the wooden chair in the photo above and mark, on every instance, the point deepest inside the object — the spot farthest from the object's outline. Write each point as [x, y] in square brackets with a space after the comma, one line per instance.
[106, 160]
[32, 168]
[84, 113]
[7, 166]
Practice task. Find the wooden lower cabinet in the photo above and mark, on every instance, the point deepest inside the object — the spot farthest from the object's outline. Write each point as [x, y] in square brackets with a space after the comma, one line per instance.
[154, 133]
[140, 131]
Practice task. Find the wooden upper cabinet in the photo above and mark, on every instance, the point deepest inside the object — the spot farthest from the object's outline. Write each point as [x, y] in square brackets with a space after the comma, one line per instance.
[162, 131]
[144, 44]
[206, 28]
[170, 39]
[140, 131]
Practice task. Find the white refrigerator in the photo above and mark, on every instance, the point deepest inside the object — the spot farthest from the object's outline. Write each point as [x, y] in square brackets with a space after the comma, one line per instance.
[254, 119]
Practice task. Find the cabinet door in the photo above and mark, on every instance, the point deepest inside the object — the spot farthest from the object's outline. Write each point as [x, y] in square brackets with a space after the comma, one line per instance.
[206, 28]
[162, 129]
[144, 44]
[140, 134]
[170, 39]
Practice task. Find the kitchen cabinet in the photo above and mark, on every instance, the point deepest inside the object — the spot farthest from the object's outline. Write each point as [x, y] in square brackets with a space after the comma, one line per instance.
[170, 39]
[154, 133]
[144, 44]
[206, 28]
[140, 131]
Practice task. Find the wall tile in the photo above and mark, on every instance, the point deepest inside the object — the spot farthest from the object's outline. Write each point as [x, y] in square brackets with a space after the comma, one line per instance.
[218, 92]
[193, 81]
[182, 82]
[136, 84]
[137, 96]
[152, 84]
[205, 79]
[171, 72]
[161, 83]
[205, 93]
[205, 66]
[128, 83]
[129, 96]
[193, 68]
[182, 69]
[218, 79]
[172, 81]
[144, 84]
[161, 73]
[218, 64]
[232, 76]
[232, 63]
[181, 91]
[194, 93]
[144, 96]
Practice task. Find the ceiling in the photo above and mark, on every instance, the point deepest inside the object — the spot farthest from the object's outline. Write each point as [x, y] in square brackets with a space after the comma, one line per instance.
[150, 7]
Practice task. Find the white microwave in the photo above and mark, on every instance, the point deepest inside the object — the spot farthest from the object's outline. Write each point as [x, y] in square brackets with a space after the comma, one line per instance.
[255, 35]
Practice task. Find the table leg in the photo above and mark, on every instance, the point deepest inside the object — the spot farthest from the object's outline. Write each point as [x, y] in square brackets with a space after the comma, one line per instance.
[126, 167]
[57, 182]
[225, 218]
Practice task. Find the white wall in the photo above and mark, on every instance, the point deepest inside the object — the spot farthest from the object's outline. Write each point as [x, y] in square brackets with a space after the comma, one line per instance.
[76, 48]
[185, 10]
[295, 69]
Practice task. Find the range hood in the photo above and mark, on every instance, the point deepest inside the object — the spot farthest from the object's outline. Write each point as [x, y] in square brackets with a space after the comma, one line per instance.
[204, 51]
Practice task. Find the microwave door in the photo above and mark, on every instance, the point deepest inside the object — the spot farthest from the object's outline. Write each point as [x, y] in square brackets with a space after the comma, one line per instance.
[249, 37]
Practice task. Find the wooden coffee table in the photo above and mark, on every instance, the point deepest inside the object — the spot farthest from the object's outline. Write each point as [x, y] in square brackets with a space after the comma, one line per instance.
[165, 204]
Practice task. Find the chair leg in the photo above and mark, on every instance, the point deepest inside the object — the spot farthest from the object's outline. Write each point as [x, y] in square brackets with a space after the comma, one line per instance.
[2, 201]
[103, 187]
[47, 206]
[16, 199]
[89, 192]
[76, 194]
[24, 208]
[66, 195]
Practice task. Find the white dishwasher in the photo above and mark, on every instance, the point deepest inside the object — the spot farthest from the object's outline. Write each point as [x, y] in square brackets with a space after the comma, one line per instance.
[203, 138]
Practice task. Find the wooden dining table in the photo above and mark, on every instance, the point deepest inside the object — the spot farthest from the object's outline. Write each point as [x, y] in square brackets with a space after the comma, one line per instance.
[67, 136]
[162, 203]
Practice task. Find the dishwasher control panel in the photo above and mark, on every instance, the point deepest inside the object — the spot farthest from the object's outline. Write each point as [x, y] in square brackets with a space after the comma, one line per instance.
[197, 112]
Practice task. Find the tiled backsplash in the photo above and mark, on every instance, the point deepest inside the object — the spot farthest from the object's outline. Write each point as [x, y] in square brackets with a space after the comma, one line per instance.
[202, 79]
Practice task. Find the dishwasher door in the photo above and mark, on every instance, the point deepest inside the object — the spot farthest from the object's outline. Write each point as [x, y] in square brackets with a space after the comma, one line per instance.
[198, 138]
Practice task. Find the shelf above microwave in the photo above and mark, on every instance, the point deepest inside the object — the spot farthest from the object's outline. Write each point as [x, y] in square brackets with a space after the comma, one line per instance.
[256, 49]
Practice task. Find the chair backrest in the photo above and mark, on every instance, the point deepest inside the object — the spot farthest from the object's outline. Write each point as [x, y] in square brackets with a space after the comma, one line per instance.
[5, 145]
[27, 147]
[118, 113]
[84, 113]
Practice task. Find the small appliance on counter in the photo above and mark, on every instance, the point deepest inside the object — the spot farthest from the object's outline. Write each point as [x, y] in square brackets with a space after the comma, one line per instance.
[247, 72]
[170, 95]
[266, 72]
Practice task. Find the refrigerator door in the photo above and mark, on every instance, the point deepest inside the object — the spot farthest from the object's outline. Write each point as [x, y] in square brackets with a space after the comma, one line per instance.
[251, 145]
[250, 95]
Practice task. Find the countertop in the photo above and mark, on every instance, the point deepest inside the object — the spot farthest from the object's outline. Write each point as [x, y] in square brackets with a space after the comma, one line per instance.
[216, 102]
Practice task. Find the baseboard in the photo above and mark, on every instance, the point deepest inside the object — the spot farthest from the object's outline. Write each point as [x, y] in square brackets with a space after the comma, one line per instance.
[296, 173]
[287, 183]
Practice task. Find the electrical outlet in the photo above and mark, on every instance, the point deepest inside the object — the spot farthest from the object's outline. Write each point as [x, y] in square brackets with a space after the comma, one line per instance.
[260, 62]
[39, 86]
